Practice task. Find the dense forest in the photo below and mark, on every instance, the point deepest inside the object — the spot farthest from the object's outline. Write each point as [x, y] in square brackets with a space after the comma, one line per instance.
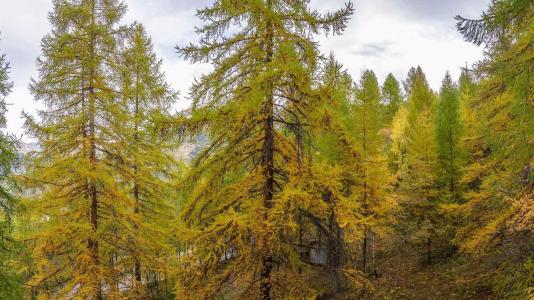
[307, 183]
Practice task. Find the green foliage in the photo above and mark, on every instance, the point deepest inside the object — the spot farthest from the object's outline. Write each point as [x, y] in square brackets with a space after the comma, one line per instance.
[10, 283]
[369, 142]
[144, 160]
[99, 180]
[309, 185]
[253, 181]
[391, 99]
[448, 133]
[418, 185]
[500, 172]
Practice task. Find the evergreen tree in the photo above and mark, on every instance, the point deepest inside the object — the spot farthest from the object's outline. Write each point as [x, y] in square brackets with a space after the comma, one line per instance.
[448, 133]
[82, 211]
[391, 99]
[239, 220]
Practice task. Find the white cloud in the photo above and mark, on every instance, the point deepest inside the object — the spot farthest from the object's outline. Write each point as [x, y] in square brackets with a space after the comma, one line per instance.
[400, 42]
[384, 35]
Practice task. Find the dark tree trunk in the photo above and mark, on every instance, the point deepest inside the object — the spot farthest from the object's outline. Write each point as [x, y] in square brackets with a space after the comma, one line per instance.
[268, 169]
[364, 252]
[93, 242]
[428, 252]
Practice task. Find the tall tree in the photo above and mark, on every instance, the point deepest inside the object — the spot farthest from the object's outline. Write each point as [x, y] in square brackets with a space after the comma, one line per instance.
[499, 137]
[8, 153]
[336, 165]
[241, 210]
[501, 179]
[9, 287]
[370, 144]
[84, 213]
[448, 133]
[391, 99]
[144, 159]
[418, 188]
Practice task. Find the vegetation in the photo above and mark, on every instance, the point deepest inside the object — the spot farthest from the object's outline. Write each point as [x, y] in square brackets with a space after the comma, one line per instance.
[308, 185]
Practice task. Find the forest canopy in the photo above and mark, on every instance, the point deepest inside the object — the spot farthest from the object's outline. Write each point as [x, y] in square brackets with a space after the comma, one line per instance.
[299, 181]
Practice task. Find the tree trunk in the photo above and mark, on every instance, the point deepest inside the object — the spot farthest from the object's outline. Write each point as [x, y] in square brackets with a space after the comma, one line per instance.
[93, 241]
[137, 264]
[428, 253]
[268, 167]
[364, 252]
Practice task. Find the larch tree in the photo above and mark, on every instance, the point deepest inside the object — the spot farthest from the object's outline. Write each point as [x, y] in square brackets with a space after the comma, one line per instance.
[143, 159]
[408, 83]
[336, 165]
[370, 144]
[418, 188]
[244, 200]
[83, 213]
[7, 155]
[499, 202]
[449, 131]
[397, 144]
[471, 140]
[9, 287]
[391, 99]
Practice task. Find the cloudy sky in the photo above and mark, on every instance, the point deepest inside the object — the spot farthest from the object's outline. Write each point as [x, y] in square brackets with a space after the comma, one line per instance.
[383, 35]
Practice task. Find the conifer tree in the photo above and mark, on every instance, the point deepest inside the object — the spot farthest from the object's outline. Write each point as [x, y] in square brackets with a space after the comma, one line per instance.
[370, 145]
[83, 212]
[418, 186]
[329, 237]
[470, 141]
[391, 99]
[143, 159]
[398, 143]
[7, 155]
[408, 83]
[448, 133]
[500, 179]
[10, 288]
[245, 190]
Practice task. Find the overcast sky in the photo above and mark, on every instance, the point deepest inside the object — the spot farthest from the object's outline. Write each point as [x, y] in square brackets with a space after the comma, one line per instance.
[383, 35]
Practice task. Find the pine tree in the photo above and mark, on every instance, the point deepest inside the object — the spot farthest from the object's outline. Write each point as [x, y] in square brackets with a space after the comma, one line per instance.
[370, 144]
[391, 99]
[240, 216]
[448, 133]
[83, 212]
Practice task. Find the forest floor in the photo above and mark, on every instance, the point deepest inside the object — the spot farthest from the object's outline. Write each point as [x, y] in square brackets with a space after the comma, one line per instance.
[405, 276]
